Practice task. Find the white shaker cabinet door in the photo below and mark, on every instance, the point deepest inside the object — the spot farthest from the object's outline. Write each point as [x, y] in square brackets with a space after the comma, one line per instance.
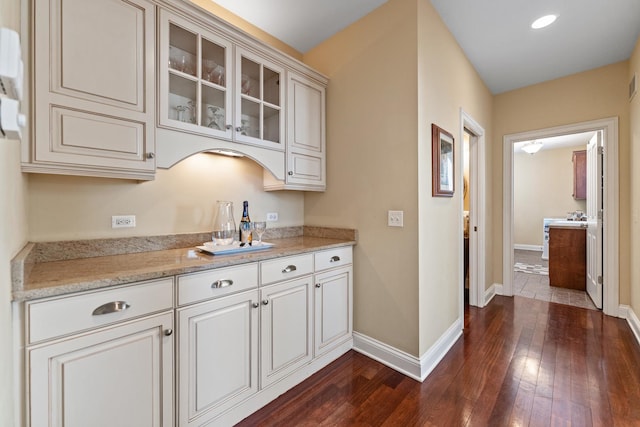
[333, 309]
[118, 376]
[286, 330]
[218, 356]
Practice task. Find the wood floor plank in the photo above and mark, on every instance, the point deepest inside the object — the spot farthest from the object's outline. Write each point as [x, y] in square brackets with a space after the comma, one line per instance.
[519, 362]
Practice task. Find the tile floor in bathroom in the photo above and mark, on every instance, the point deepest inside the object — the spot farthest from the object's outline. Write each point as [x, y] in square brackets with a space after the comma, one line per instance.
[531, 285]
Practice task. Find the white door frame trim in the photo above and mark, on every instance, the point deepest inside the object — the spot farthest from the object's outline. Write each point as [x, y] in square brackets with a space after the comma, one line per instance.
[611, 229]
[477, 214]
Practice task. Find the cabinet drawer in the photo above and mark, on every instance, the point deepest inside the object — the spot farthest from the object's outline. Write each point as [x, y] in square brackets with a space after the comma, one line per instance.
[215, 283]
[333, 258]
[66, 315]
[285, 268]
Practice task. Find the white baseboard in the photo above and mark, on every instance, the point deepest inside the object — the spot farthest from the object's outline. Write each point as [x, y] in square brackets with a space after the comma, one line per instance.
[528, 247]
[416, 368]
[498, 288]
[633, 321]
[489, 294]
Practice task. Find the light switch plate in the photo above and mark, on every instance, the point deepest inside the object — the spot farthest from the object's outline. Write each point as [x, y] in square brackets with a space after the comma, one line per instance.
[395, 219]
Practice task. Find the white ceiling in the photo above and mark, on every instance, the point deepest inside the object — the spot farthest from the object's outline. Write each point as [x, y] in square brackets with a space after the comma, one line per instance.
[302, 24]
[497, 38]
[494, 34]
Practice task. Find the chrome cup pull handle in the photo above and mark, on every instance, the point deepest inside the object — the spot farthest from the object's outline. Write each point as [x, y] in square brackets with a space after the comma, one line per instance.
[289, 269]
[111, 307]
[334, 258]
[221, 283]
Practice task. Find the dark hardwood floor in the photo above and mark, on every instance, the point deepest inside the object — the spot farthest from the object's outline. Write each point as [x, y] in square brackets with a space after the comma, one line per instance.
[520, 362]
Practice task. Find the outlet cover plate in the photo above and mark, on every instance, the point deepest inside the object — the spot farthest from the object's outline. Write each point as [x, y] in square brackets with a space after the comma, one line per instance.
[123, 221]
[395, 219]
[272, 216]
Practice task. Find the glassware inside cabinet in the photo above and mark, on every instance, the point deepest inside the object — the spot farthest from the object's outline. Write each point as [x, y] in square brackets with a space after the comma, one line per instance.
[213, 63]
[212, 110]
[250, 84]
[182, 96]
[250, 120]
[183, 47]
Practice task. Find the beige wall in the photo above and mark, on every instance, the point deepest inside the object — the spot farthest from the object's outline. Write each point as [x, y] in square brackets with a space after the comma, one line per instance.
[372, 165]
[446, 83]
[634, 183]
[542, 188]
[392, 74]
[13, 235]
[590, 95]
[179, 200]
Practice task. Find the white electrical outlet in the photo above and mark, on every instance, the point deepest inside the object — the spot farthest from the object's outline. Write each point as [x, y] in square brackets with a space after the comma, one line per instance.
[395, 219]
[123, 221]
[272, 216]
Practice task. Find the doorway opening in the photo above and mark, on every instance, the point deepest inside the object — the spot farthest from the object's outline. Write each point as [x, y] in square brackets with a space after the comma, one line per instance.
[610, 236]
[550, 198]
[476, 208]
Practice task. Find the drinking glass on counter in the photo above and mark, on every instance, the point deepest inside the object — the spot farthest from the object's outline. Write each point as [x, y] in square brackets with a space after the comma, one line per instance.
[259, 227]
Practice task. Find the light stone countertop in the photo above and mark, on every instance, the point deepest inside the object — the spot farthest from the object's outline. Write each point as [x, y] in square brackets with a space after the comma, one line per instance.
[32, 280]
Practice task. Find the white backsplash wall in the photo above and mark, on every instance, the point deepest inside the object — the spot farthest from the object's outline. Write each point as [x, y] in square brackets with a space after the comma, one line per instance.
[180, 200]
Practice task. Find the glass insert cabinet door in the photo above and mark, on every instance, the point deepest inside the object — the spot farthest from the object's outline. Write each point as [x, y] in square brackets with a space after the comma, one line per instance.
[195, 86]
[259, 89]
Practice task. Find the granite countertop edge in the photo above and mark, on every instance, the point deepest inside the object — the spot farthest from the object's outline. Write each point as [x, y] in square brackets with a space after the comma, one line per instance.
[33, 280]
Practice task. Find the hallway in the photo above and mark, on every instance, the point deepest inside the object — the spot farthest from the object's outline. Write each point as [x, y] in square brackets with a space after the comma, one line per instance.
[520, 361]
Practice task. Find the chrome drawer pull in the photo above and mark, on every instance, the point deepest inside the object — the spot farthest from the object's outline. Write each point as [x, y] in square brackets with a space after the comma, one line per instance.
[221, 284]
[289, 269]
[334, 258]
[111, 307]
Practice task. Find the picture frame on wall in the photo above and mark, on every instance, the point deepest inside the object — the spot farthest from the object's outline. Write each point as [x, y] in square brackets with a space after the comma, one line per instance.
[443, 173]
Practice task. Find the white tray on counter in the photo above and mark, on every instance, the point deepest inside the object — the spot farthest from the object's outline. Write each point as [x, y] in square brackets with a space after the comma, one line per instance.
[233, 248]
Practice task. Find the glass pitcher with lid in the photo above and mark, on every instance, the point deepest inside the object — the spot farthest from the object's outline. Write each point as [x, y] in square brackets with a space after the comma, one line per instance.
[224, 226]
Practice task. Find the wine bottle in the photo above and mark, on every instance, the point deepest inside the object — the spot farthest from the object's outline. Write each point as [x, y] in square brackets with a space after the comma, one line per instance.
[245, 224]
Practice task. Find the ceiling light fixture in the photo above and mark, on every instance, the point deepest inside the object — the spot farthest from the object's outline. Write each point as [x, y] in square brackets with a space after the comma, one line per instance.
[532, 147]
[543, 21]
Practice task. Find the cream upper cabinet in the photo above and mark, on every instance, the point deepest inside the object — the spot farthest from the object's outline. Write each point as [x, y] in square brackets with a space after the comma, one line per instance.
[204, 91]
[195, 84]
[305, 142]
[259, 117]
[94, 97]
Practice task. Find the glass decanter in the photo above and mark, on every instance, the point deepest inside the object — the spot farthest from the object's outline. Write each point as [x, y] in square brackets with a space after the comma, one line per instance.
[224, 226]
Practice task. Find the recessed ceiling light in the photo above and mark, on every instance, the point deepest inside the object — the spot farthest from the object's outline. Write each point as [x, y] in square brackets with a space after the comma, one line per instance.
[543, 22]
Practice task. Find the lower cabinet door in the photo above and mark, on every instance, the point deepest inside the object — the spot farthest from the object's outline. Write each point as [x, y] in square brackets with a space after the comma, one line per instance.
[217, 356]
[333, 314]
[286, 328]
[120, 376]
